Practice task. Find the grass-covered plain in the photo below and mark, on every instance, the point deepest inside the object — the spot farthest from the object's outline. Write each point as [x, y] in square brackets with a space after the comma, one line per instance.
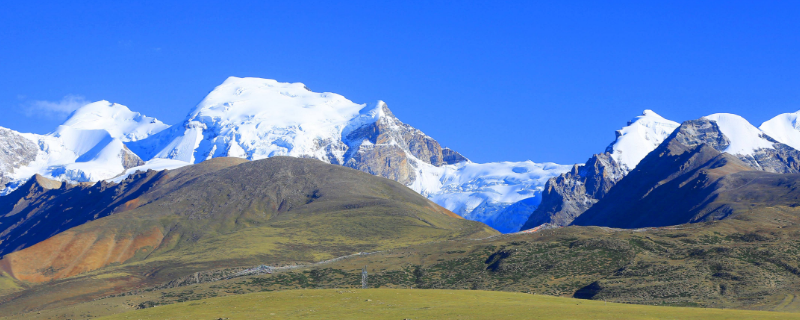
[423, 304]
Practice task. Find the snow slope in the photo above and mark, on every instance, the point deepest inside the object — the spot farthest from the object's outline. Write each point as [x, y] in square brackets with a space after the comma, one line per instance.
[641, 136]
[119, 121]
[258, 118]
[784, 128]
[745, 139]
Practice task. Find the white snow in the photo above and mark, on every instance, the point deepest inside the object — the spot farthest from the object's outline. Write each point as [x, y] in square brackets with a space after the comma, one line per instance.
[641, 136]
[88, 146]
[155, 164]
[118, 120]
[784, 128]
[745, 138]
[482, 191]
[258, 118]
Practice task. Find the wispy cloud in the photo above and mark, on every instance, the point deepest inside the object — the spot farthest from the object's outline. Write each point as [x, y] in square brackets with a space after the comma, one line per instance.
[54, 109]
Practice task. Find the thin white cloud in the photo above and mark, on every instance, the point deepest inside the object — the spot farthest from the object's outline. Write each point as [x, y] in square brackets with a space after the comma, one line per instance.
[55, 109]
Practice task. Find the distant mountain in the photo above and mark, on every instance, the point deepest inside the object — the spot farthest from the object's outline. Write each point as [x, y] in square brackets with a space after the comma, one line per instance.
[784, 128]
[567, 196]
[708, 169]
[90, 146]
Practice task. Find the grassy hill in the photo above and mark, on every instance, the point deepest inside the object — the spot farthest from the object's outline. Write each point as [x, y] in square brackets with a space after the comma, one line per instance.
[275, 211]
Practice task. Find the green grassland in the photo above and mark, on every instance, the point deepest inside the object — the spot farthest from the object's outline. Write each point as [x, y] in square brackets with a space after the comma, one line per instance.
[423, 304]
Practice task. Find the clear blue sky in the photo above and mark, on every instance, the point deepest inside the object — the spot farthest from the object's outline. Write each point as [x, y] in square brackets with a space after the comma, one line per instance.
[496, 80]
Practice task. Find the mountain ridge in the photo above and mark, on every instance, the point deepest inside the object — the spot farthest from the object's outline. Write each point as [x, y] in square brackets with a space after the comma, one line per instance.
[256, 118]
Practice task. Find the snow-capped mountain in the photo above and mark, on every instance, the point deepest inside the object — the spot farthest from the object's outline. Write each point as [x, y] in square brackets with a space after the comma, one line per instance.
[571, 194]
[732, 134]
[89, 146]
[259, 118]
[784, 128]
[641, 136]
[256, 118]
[567, 196]
[712, 168]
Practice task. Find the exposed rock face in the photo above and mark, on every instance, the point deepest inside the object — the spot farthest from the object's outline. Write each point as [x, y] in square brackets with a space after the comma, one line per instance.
[388, 161]
[779, 159]
[569, 195]
[383, 147]
[684, 181]
[15, 151]
[452, 157]
[129, 159]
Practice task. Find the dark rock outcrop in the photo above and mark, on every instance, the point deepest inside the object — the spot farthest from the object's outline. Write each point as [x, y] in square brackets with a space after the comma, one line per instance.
[569, 195]
[689, 179]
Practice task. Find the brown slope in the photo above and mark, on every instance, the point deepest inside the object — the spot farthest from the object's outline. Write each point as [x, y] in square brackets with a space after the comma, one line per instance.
[42, 208]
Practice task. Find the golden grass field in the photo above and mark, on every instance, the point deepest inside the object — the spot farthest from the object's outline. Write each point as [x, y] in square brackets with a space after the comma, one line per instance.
[423, 304]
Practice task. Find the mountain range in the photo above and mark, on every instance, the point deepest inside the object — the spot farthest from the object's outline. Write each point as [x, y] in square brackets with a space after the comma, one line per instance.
[253, 118]
[119, 209]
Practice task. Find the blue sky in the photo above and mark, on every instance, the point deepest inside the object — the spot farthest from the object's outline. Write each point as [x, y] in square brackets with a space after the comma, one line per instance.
[499, 80]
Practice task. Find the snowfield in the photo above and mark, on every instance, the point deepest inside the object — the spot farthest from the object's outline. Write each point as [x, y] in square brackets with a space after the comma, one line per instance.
[784, 128]
[641, 136]
[745, 139]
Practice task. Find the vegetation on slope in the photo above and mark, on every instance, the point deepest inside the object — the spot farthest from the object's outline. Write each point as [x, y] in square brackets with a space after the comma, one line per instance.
[275, 211]
[423, 304]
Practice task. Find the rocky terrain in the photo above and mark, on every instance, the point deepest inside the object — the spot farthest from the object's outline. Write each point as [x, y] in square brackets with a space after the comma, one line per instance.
[570, 195]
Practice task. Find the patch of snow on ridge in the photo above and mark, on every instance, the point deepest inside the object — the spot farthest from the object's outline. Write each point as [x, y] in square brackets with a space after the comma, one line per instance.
[155, 164]
[784, 128]
[642, 135]
[258, 118]
[745, 138]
